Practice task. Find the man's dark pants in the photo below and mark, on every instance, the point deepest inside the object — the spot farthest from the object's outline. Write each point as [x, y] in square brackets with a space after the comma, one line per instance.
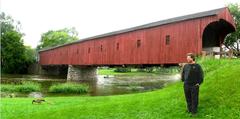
[191, 95]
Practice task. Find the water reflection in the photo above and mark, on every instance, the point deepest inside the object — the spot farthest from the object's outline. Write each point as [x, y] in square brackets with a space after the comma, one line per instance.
[130, 84]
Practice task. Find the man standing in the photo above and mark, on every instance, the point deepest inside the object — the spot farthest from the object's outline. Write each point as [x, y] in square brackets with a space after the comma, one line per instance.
[192, 76]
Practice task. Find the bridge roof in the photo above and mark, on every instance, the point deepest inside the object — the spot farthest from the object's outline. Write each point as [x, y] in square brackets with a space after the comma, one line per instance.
[149, 25]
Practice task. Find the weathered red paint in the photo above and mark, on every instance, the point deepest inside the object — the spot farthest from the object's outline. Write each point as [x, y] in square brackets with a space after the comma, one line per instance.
[185, 37]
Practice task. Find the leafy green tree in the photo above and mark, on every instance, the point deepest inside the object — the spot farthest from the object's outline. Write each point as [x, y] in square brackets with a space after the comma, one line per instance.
[13, 53]
[232, 41]
[57, 37]
[30, 55]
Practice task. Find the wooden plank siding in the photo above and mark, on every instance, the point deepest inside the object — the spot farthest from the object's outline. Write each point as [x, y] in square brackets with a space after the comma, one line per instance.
[143, 46]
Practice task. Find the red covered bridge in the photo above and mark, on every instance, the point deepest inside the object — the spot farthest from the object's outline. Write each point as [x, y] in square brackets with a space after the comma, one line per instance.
[162, 42]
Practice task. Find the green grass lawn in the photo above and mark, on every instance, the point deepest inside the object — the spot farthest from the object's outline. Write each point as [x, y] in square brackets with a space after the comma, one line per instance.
[219, 99]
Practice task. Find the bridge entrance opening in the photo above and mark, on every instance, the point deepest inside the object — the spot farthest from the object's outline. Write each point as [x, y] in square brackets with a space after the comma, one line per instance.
[214, 34]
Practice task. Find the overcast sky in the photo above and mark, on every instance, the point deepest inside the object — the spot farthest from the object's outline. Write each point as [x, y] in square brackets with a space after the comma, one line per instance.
[94, 17]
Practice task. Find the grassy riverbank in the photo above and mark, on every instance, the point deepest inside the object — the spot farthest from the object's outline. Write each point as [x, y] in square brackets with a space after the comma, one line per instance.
[219, 98]
[136, 72]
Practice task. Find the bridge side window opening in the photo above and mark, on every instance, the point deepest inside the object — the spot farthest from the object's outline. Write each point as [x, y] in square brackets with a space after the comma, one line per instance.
[89, 50]
[138, 43]
[117, 46]
[101, 48]
[167, 39]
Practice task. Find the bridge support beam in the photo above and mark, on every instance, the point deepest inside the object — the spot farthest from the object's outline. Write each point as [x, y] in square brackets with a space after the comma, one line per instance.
[76, 72]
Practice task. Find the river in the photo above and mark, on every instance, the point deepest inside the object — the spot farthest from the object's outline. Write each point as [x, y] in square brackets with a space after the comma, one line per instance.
[101, 86]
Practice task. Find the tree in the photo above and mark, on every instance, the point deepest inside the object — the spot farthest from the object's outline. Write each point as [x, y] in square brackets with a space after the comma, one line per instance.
[30, 55]
[13, 53]
[58, 37]
[232, 41]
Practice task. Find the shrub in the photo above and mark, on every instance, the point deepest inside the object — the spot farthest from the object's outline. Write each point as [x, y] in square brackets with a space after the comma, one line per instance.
[28, 87]
[69, 88]
[25, 87]
[7, 88]
[122, 69]
[169, 70]
[146, 69]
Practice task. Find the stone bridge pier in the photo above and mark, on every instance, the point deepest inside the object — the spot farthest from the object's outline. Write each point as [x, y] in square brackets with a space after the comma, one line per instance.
[76, 72]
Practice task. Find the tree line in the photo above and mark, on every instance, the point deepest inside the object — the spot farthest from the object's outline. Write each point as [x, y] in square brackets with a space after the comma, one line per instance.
[232, 40]
[15, 57]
